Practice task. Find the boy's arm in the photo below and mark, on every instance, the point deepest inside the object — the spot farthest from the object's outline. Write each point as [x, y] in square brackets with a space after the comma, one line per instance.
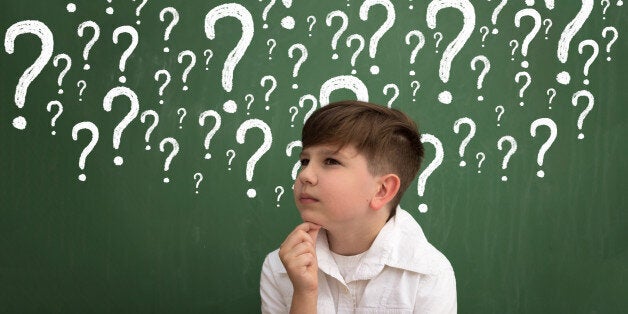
[438, 294]
[298, 255]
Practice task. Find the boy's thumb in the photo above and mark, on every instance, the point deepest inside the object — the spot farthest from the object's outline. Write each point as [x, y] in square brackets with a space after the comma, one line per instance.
[313, 232]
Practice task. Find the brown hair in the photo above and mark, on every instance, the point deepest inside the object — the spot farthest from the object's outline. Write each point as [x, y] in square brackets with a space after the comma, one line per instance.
[388, 138]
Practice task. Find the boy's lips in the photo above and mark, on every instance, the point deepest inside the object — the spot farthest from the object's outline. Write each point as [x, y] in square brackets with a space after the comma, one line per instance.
[306, 198]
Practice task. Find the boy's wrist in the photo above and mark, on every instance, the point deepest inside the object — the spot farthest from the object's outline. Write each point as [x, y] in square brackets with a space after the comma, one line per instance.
[304, 302]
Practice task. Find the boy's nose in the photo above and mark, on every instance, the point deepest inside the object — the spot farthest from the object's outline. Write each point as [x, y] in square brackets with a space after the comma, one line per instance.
[307, 176]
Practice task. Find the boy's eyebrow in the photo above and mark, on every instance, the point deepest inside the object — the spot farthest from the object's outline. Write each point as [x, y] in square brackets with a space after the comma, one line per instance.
[322, 151]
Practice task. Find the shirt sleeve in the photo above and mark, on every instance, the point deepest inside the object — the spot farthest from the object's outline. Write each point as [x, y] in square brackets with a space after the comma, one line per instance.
[437, 294]
[272, 300]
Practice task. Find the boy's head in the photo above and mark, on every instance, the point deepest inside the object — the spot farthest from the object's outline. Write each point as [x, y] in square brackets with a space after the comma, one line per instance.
[388, 139]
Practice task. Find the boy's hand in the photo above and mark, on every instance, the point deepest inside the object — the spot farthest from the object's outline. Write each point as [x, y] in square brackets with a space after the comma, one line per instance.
[298, 255]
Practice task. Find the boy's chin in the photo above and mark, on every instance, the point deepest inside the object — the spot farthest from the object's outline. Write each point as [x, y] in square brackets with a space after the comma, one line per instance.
[310, 218]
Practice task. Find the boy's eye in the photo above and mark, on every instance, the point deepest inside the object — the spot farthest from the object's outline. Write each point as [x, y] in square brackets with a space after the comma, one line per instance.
[304, 162]
[331, 161]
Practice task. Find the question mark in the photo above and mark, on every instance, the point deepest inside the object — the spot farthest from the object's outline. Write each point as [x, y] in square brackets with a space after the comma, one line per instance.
[56, 116]
[265, 12]
[297, 165]
[294, 115]
[438, 36]
[182, 112]
[566, 36]
[250, 99]
[198, 177]
[82, 88]
[109, 10]
[485, 70]
[583, 115]
[271, 43]
[534, 14]
[548, 143]
[233, 154]
[81, 30]
[499, 113]
[511, 151]
[268, 140]
[244, 16]
[288, 21]
[163, 86]
[280, 190]
[552, 93]
[612, 41]
[208, 54]
[150, 129]
[496, 12]
[187, 70]
[68, 65]
[388, 23]
[125, 55]
[467, 139]
[302, 101]
[212, 132]
[416, 85]
[271, 89]
[395, 88]
[85, 125]
[419, 46]
[606, 4]
[456, 45]
[312, 20]
[593, 44]
[349, 82]
[130, 116]
[484, 34]
[344, 23]
[47, 47]
[525, 86]
[297, 66]
[173, 22]
[438, 159]
[481, 157]
[547, 27]
[173, 153]
[357, 52]
[515, 44]
[137, 11]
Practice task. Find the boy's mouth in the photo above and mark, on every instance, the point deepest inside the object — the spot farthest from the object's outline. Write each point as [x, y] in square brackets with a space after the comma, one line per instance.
[306, 198]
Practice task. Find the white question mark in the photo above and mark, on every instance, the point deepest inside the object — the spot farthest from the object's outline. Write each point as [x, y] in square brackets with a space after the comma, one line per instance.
[427, 172]
[250, 99]
[511, 151]
[484, 31]
[496, 12]
[548, 143]
[109, 10]
[56, 116]
[357, 52]
[314, 102]
[312, 20]
[566, 36]
[47, 47]
[500, 111]
[198, 177]
[280, 190]
[271, 43]
[419, 46]
[456, 45]
[297, 66]
[182, 112]
[395, 89]
[534, 14]
[82, 88]
[485, 70]
[548, 3]
[175, 150]
[266, 144]
[127, 53]
[187, 70]
[138, 10]
[344, 23]
[547, 27]
[68, 65]
[294, 111]
[85, 125]
[150, 129]
[514, 44]
[271, 89]
[590, 102]
[130, 116]
[297, 165]
[244, 16]
[612, 41]
[438, 36]
[343, 82]
[551, 92]
[481, 157]
[163, 86]
[171, 25]
[265, 12]
[606, 4]
[416, 85]
[467, 139]
[525, 86]
[288, 21]
[231, 156]
[593, 44]
[388, 24]
[208, 53]
[81, 30]
[212, 132]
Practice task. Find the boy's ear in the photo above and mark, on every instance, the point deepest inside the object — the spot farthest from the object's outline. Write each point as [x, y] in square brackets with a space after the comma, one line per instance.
[388, 187]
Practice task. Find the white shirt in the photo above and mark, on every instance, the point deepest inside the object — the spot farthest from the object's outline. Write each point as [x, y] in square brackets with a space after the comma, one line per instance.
[400, 273]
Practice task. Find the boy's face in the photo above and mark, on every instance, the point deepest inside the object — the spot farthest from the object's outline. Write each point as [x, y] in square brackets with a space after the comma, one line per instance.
[334, 187]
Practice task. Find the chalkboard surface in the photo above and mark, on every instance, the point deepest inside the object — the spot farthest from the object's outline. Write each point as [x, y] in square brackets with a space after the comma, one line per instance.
[148, 147]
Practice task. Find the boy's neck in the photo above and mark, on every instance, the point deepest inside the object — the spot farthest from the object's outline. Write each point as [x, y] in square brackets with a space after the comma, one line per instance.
[350, 241]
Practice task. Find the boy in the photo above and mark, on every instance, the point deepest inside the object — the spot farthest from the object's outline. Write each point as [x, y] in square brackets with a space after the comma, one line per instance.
[356, 250]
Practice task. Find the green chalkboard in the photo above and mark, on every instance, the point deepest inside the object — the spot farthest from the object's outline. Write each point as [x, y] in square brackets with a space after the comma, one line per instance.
[93, 221]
